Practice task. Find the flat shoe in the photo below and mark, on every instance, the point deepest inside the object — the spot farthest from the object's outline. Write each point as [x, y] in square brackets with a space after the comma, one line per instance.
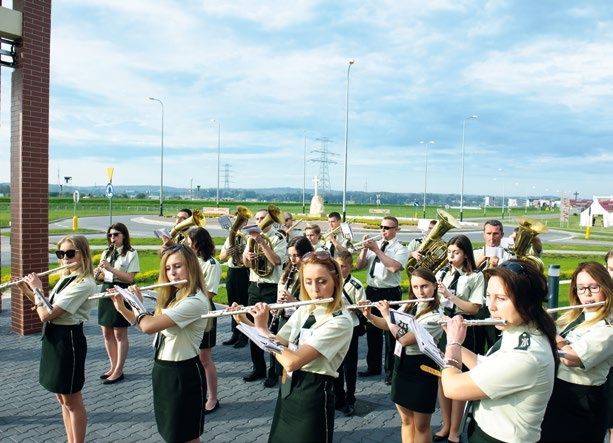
[439, 437]
[208, 411]
[104, 376]
[110, 382]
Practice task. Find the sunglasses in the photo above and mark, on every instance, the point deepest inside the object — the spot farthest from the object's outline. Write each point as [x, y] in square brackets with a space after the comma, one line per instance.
[113, 234]
[288, 219]
[174, 248]
[320, 255]
[387, 228]
[68, 254]
[514, 267]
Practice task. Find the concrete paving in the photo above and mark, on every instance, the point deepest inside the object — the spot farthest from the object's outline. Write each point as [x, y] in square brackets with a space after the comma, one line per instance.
[124, 412]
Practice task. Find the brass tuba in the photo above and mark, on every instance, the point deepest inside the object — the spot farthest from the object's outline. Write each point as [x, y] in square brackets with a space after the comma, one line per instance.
[260, 264]
[528, 229]
[432, 249]
[236, 237]
[196, 219]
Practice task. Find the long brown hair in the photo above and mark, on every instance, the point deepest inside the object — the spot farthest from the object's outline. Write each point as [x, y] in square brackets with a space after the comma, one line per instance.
[427, 275]
[126, 237]
[333, 269]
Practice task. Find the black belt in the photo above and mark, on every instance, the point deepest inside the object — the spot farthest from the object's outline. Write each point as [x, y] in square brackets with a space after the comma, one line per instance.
[264, 285]
[372, 288]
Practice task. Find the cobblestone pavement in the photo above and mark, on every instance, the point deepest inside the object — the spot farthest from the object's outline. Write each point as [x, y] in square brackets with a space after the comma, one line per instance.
[124, 412]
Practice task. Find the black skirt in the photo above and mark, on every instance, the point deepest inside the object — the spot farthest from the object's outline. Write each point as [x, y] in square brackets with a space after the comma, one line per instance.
[179, 396]
[107, 314]
[307, 413]
[413, 388]
[209, 338]
[62, 359]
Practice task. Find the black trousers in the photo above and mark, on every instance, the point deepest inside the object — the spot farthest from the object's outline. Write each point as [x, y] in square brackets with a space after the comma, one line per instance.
[374, 335]
[264, 292]
[237, 285]
[348, 370]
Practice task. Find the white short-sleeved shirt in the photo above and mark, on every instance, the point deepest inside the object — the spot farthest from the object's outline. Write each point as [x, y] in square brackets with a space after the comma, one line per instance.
[126, 263]
[506, 254]
[211, 269]
[330, 336]
[182, 341]
[594, 346]
[429, 322]
[471, 287]
[340, 240]
[279, 246]
[356, 293]
[518, 381]
[74, 299]
[387, 279]
[230, 261]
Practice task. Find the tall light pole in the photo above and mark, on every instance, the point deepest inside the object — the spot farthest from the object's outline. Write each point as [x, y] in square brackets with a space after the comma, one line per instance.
[462, 184]
[351, 62]
[304, 177]
[161, 160]
[218, 156]
[426, 174]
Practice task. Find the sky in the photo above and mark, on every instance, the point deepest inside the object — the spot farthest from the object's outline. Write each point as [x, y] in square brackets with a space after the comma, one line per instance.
[274, 76]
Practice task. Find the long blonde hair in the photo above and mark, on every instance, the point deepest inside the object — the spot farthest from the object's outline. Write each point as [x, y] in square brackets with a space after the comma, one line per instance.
[333, 269]
[82, 245]
[169, 296]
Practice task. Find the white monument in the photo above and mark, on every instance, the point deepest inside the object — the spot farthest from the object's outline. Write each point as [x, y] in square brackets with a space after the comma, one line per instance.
[317, 202]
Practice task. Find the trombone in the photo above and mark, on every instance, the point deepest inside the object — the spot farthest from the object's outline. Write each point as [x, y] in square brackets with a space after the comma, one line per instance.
[109, 294]
[10, 284]
[273, 306]
[360, 245]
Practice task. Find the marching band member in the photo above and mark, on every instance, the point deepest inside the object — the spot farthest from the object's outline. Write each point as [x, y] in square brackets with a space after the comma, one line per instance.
[385, 261]
[315, 341]
[286, 227]
[64, 347]
[179, 387]
[415, 244]
[413, 389]
[202, 244]
[514, 382]
[577, 409]
[461, 293]
[264, 289]
[333, 245]
[313, 233]
[118, 266]
[492, 234]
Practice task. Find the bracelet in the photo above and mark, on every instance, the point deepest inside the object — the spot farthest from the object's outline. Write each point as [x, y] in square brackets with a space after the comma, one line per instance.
[451, 343]
[453, 362]
[141, 316]
[451, 367]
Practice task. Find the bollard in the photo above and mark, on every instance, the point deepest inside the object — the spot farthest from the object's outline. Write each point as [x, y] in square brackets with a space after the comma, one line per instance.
[587, 232]
[553, 286]
[75, 223]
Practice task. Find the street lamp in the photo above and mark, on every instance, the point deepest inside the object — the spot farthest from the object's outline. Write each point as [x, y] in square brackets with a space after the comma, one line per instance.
[462, 183]
[426, 174]
[191, 181]
[304, 177]
[218, 155]
[161, 160]
[351, 62]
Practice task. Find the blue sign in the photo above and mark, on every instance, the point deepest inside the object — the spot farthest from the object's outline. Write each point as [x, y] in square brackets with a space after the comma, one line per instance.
[109, 190]
[416, 204]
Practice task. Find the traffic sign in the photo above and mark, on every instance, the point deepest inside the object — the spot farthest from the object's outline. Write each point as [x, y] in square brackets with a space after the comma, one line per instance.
[109, 190]
[75, 196]
[416, 204]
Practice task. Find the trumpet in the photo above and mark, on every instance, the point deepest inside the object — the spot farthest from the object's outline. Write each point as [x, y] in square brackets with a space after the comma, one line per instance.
[566, 308]
[10, 284]
[482, 322]
[144, 288]
[273, 306]
[391, 303]
[325, 237]
[360, 245]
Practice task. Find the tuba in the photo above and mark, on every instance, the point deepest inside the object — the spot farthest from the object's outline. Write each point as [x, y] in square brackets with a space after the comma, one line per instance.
[528, 229]
[196, 219]
[260, 264]
[432, 249]
[236, 237]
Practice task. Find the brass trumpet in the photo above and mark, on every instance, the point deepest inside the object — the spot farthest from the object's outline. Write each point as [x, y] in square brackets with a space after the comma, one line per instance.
[357, 247]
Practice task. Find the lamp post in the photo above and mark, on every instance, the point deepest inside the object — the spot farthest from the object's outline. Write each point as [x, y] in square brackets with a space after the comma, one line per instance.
[462, 183]
[191, 181]
[218, 156]
[304, 177]
[426, 173]
[351, 62]
[161, 160]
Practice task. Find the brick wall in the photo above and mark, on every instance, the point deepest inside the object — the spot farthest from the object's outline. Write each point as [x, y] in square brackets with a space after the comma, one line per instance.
[30, 156]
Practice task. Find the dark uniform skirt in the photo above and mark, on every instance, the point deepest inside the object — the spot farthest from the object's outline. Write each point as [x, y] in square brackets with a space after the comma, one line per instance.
[179, 396]
[413, 388]
[307, 413]
[107, 314]
[62, 359]
[575, 413]
[209, 338]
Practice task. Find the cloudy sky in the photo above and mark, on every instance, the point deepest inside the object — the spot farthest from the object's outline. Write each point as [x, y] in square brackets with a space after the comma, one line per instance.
[274, 75]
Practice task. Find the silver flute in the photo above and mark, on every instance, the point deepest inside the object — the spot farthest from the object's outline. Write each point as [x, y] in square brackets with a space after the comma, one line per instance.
[144, 288]
[392, 303]
[566, 308]
[482, 322]
[40, 274]
[247, 310]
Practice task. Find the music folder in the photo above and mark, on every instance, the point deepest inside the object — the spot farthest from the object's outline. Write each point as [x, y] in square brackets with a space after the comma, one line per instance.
[264, 343]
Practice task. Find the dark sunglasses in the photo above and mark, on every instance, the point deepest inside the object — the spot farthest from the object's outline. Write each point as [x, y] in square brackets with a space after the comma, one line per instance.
[288, 219]
[173, 248]
[320, 255]
[387, 228]
[514, 267]
[68, 254]
[113, 234]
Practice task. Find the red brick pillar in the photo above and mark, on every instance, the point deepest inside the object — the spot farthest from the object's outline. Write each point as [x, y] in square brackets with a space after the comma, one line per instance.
[30, 156]
[0, 242]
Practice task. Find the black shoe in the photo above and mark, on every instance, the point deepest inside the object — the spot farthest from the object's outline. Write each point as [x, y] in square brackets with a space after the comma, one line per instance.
[108, 381]
[436, 438]
[253, 376]
[368, 373]
[208, 411]
[232, 340]
[388, 380]
[240, 343]
[339, 405]
[349, 410]
[271, 382]
[104, 376]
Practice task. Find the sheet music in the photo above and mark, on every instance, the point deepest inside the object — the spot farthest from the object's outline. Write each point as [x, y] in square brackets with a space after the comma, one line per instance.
[137, 306]
[261, 341]
[252, 228]
[162, 232]
[426, 343]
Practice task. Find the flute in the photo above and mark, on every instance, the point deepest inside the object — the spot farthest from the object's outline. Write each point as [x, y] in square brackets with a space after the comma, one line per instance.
[247, 310]
[392, 303]
[40, 274]
[144, 288]
[482, 322]
[566, 308]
